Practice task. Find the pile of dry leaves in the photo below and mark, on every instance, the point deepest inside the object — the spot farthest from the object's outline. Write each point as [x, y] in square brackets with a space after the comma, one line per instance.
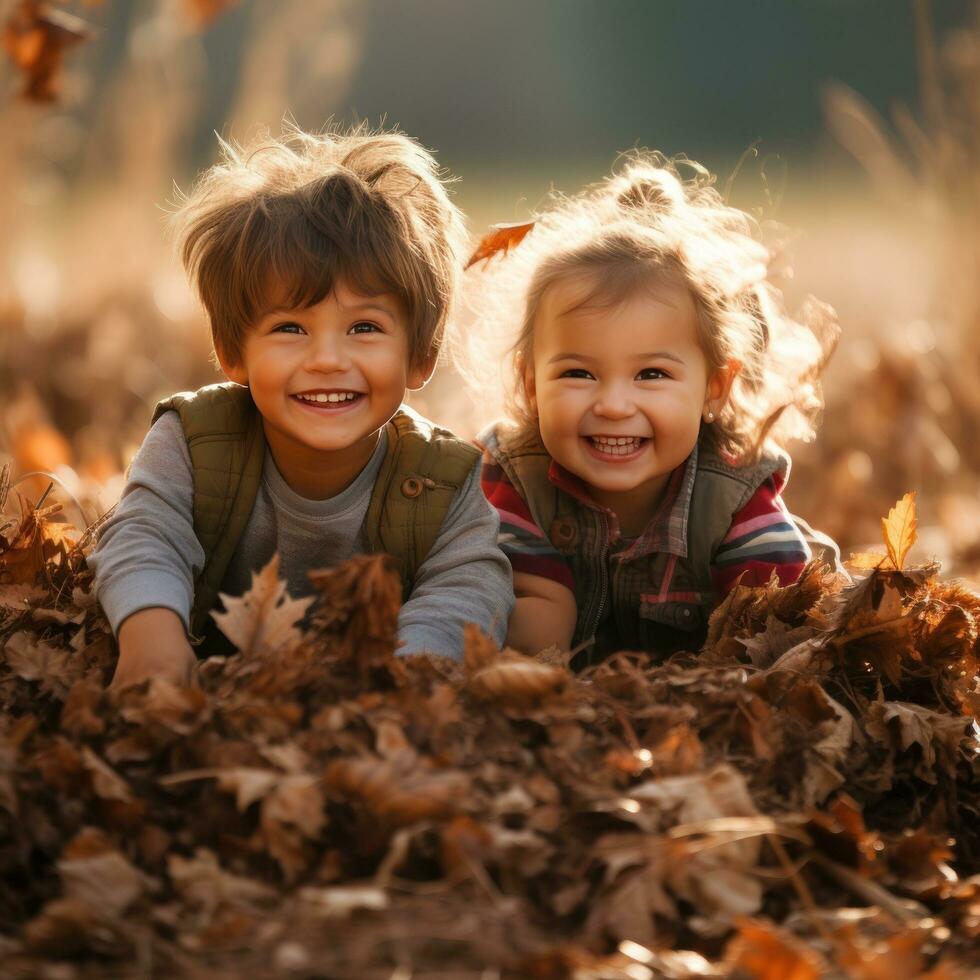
[798, 800]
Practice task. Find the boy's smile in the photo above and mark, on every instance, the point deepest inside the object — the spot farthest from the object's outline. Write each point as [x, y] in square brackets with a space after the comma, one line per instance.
[619, 391]
[326, 379]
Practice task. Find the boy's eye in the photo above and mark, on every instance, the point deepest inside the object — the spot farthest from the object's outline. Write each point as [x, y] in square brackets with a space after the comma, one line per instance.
[652, 374]
[287, 328]
[365, 326]
[576, 373]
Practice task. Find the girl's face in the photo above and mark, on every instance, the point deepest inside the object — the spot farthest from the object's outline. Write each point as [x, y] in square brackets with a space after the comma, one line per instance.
[620, 391]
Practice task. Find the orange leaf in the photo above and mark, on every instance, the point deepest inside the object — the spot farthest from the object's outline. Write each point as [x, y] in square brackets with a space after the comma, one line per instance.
[500, 238]
[203, 12]
[35, 38]
[899, 529]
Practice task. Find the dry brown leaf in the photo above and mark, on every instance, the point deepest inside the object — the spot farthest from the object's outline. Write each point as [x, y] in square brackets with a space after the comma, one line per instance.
[923, 727]
[34, 660]
[204, 884]
[400, 790]
[106, 881]
[518, 681]
[262, 623]
[499, 239]
[899, 529]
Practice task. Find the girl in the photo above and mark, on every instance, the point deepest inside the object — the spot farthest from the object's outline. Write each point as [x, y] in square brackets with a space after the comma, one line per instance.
[640, 475]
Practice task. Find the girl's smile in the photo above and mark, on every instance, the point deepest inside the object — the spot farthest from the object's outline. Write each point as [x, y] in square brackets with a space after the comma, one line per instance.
[616, 449]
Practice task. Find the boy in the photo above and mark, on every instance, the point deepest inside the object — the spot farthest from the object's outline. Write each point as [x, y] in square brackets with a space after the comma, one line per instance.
[326, 265]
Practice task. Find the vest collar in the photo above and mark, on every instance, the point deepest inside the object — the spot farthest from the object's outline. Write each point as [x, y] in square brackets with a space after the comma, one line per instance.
[667, 529]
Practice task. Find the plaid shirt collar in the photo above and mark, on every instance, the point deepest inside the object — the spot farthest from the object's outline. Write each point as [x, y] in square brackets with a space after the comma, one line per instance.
[666, 531]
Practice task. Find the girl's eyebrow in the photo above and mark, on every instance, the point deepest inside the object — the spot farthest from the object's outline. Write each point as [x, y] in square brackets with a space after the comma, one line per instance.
[664, 355]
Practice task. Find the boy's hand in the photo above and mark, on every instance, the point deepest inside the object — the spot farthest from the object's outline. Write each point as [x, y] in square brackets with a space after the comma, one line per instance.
[544, 614]
[152, 643]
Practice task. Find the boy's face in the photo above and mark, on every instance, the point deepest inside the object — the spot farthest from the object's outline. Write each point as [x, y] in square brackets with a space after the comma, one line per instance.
[326, 378]
[620, 391]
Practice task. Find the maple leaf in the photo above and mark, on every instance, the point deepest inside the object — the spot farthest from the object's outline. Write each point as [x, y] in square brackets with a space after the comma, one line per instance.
[919, 726]
[35, 660]
[500, 238]
[36, 38]
[262, 623]
[899, 529]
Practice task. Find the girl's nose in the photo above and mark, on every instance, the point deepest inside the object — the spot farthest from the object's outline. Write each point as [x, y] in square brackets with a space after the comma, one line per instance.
[614, 402]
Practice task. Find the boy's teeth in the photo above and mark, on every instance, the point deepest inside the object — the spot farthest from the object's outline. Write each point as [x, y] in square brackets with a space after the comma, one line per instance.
[334, 396]
[616, 445]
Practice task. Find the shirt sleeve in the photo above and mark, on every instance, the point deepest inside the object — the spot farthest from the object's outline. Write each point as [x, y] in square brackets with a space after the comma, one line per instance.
[465, 578]
[762, 539]
[524, 543]
[148, 554]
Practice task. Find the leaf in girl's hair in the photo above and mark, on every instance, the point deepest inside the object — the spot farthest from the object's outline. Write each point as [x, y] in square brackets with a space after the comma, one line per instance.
[36, 38]
[899, 529]
[500, 238]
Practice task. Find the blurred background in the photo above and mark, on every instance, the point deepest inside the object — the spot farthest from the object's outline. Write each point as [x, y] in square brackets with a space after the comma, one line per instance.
[854, 124]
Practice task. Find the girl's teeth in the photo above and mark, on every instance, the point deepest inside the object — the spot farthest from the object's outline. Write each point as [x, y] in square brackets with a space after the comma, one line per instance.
[618, 446]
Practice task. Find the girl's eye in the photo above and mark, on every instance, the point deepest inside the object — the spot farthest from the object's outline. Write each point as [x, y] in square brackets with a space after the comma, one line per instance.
[365, 326]
[652, 374]
[575, 373]
[287, 328]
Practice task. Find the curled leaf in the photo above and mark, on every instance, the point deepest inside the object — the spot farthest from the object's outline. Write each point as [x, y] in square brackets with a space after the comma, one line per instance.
[500, 238]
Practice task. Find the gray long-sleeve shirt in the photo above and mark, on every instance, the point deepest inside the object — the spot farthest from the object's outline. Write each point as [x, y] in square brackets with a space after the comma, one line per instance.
[148, 554]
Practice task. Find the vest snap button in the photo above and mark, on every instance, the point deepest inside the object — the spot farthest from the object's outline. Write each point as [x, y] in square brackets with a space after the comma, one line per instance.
[687, 612]
[411, 487]
[562, 532]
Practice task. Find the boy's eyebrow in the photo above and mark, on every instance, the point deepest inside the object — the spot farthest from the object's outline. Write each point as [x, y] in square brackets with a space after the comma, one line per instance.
[369, 304]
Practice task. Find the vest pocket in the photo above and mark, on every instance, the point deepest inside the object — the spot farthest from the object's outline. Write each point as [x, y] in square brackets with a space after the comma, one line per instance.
[682, 615]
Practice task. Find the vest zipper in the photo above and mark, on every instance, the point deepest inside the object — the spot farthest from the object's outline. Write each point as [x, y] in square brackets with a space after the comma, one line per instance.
[603, 531]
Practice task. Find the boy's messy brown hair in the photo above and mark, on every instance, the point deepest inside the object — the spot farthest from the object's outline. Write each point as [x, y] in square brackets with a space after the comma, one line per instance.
[278, 222]
[644, 228]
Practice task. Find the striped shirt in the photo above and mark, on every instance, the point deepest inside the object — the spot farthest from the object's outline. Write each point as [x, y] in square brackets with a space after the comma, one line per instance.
[762, 539]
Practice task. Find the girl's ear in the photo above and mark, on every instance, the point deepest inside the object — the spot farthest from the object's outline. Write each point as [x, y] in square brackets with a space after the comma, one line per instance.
[526, 367]
[233, 370]
[418, 377]
[719, 387]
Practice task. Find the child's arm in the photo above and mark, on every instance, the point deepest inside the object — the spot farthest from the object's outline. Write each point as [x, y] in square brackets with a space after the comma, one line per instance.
[762, 539]
[544, 614]
[465, 578]
[153, 643]
[147, 558]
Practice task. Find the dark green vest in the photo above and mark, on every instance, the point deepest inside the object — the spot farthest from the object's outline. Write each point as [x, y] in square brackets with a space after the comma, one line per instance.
[656, 602]
[422, 470]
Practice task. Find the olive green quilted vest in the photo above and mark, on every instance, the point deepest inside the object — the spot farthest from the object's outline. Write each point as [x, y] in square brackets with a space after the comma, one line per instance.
[657, 602]
[422, 470]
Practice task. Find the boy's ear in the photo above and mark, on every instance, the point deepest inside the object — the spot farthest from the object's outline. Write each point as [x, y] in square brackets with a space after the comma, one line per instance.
[232, 369]
[719, 387]
[418, 377]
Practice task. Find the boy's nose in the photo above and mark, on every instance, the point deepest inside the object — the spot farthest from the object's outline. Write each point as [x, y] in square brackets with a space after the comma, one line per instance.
[327, 355]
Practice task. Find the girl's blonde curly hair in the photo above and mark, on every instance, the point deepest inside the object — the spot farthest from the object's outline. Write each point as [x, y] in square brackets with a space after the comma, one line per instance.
[644, 227]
